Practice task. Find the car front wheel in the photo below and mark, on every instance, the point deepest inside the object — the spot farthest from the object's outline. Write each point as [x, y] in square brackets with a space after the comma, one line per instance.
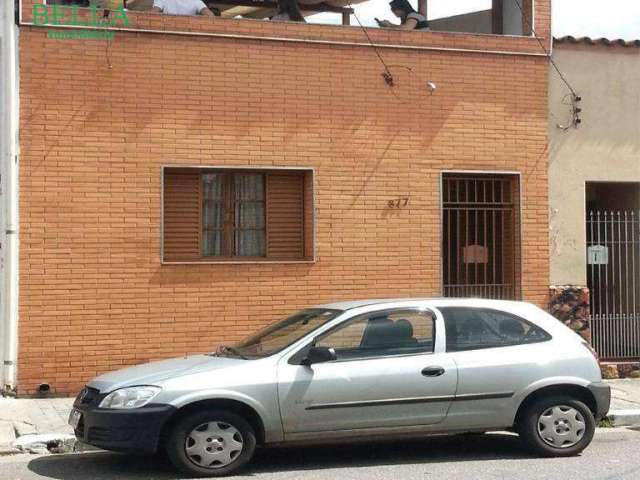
[211, 443]
[557, 426]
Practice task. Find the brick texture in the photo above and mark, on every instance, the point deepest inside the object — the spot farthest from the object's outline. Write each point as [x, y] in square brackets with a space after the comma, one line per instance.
[100, 119]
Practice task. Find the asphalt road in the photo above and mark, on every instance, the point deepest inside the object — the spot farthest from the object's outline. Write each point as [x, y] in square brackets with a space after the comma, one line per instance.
[612, 455]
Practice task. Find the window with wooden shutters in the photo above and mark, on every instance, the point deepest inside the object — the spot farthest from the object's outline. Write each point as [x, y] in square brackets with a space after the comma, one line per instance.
[250, 214]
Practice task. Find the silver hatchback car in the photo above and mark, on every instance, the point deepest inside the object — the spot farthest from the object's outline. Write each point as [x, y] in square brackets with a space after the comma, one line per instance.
[352, 371]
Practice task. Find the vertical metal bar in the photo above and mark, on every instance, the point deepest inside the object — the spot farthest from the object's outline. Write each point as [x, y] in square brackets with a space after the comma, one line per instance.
[514, 235]
[449, 247]
[625, 286]
[590, 275]
[636, 283]
[475, 238]
[484, 191]
[475, 242]
[485, 244]
[599, 285]
[613, 282]
[618, 289]
[502, 262]
[466, 241]
[626, 262]
[446, 239]
[619, 256]
[493, 252]
[636, 274]
[445, 249]
[606, 267]
[458, 250]
[485, 265]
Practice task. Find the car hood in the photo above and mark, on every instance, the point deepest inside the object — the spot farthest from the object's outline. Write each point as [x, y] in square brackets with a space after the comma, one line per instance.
[155, 372]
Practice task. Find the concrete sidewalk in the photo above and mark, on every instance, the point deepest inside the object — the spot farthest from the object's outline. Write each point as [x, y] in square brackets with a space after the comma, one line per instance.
[625, 402]
[27, 416]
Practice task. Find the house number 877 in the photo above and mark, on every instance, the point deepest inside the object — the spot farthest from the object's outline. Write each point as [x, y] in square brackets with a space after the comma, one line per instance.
[398, 202]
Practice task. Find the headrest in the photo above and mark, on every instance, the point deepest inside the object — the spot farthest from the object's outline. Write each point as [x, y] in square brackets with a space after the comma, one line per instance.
[511, 328]
[404, 327]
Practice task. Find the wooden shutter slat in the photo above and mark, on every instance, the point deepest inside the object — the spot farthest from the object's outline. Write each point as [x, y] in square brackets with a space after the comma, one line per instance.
[285, 216]
[181, 215]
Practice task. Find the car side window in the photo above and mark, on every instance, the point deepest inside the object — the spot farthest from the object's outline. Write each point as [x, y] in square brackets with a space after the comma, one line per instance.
[473, 329]
[393, 332]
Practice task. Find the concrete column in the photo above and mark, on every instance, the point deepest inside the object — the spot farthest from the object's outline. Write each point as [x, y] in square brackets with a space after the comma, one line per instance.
[422, 7]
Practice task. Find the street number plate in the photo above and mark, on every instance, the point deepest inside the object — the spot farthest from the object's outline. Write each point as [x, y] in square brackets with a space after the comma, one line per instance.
[74, 418]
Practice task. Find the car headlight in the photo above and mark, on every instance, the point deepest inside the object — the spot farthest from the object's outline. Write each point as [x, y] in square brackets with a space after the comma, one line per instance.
[130, 397]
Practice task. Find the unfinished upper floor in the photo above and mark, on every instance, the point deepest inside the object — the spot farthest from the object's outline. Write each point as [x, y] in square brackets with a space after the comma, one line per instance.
[504, 26]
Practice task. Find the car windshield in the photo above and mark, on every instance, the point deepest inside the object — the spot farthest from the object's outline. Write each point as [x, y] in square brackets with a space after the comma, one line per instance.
[280, 335]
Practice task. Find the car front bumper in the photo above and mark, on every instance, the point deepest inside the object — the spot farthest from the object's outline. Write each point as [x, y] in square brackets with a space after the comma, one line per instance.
[601, 391]
[131, 430]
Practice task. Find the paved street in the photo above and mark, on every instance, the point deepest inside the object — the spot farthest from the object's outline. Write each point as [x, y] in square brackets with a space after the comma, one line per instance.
[612, 456]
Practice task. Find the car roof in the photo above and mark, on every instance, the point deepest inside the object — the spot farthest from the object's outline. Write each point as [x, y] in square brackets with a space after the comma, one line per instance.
[436, 302]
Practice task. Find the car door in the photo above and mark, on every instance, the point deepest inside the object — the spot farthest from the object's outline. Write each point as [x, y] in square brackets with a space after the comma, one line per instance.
[497, 355]
[390, 371]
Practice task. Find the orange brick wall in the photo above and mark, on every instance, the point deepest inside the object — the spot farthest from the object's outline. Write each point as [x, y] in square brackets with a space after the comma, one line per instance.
[99, 120]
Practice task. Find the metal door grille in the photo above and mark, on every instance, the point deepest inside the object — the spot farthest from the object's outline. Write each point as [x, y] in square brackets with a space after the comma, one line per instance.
[613, 271]
[480, 239]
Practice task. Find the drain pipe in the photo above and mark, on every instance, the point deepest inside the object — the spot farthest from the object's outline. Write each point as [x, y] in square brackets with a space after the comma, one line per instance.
[9, 195]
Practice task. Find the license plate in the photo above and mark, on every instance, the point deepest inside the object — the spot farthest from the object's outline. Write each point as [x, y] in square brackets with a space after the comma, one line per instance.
[74, 418]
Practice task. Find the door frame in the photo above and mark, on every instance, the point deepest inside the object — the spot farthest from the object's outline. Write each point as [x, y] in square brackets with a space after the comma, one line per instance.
[518, 211]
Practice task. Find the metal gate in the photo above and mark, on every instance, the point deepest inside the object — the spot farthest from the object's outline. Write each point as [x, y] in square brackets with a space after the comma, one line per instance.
[480, 235]
[613, 271]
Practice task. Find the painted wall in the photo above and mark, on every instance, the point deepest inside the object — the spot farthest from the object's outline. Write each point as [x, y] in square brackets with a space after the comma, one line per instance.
[606, 146]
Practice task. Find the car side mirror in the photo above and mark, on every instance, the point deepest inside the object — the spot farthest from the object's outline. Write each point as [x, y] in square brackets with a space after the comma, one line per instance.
[318, 355]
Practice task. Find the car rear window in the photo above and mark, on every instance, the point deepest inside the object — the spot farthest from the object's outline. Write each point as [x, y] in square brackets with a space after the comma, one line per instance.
[477, 328]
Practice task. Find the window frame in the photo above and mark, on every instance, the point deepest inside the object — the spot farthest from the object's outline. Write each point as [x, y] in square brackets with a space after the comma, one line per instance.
[547, 335]
[239, 260]
[299, 355]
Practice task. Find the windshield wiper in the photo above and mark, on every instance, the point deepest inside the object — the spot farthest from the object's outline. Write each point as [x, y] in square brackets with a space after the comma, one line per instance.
[234, 351]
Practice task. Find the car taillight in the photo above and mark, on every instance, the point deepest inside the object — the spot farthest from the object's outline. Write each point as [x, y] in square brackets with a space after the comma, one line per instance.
[590, 348]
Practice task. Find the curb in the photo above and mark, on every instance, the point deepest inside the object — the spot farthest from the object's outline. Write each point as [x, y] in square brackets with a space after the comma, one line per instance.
[624, 418]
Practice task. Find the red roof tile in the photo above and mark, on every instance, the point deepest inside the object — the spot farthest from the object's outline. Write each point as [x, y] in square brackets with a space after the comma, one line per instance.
[597, 41]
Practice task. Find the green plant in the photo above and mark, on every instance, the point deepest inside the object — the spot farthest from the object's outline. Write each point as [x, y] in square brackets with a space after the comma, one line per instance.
[605, 423]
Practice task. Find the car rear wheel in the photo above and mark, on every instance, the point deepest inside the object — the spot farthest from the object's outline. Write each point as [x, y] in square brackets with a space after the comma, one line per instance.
[211, 443]
[557, 426]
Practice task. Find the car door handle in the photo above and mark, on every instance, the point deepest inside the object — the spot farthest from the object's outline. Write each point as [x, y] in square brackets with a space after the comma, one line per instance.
[432, 371]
